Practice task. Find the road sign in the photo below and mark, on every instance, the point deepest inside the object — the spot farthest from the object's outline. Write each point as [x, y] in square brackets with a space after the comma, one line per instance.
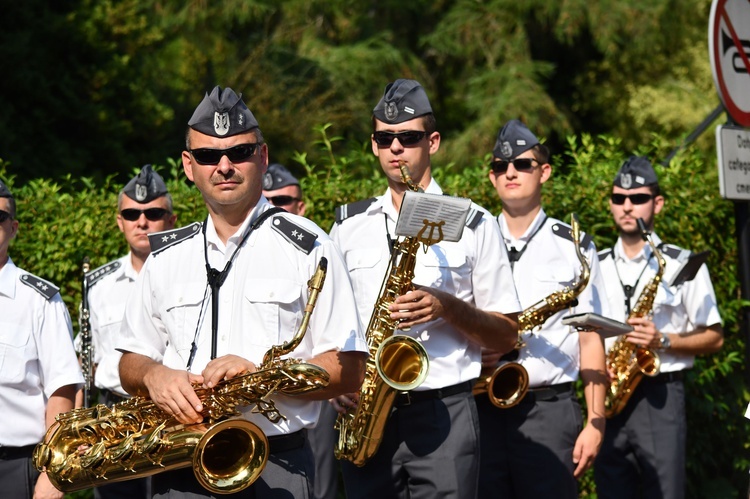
[733, 147]
[729, 52]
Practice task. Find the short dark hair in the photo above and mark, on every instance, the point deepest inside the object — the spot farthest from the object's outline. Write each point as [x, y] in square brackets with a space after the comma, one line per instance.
[541, 153]
[12, 203]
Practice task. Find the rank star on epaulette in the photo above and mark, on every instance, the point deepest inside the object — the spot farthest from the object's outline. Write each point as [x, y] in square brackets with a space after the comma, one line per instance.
[160, 241]
[302, 238]
[95, 275]
[44, 288]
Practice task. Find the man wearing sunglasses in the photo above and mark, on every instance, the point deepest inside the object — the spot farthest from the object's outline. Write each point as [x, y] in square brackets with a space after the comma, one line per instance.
[282, 189]
[644, 445]
[143, 207]
[214, 297]
[39, 372]
[464, 299]
[539, 447]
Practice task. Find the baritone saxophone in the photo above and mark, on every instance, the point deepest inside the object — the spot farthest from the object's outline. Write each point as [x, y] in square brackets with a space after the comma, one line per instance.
[397, 362]
[507, 384]
[627, 361]
[95, 446]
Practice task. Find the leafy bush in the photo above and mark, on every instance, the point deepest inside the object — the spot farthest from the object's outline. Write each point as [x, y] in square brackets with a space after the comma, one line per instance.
[62, 221]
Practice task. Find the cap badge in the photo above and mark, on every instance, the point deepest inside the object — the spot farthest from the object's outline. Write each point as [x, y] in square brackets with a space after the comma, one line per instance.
[521, 142]
[141, 191]
[640, 180]
[221, 123]
[506, 149]
[391, 111]
[267, 181]
[626, 180]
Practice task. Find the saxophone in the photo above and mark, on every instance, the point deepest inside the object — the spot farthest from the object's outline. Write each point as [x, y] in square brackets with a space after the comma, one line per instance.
[629, 362]
[84, 329]
[507, 384]
[396, 362]
[88, 447]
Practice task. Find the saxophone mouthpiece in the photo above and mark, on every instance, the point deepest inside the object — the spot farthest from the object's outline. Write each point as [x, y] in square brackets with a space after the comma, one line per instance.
[643, 229]
[323, 264]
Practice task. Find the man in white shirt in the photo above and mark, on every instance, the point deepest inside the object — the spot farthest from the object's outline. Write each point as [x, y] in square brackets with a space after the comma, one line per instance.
[39, 372]
[536, 448]
[143, 207]
[464, 299]
[188, 322]
[644, 445]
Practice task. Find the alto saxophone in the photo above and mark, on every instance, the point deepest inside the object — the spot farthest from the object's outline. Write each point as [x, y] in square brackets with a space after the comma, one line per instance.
[135, 438]
[396, 362]
[627, 361]
[507, 384]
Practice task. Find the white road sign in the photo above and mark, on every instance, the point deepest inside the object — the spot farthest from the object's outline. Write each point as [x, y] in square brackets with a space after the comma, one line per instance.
[733, 147]
[729, 51]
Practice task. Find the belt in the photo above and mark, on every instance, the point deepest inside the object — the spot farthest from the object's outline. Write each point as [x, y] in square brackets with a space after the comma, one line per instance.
[110, 398]
[665, 377]
[8, 453]
[408, 398]
[550, 392]
[283, 443]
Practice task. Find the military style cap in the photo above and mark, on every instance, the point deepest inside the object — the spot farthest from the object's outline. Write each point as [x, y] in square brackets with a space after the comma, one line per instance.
[513, 139]
[636, 172]
[277, 176]
[222, 114]
[402, 100]
[146, 186]
[4, 191]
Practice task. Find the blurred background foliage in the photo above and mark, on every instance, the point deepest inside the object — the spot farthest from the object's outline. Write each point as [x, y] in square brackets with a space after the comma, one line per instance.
[94, 89]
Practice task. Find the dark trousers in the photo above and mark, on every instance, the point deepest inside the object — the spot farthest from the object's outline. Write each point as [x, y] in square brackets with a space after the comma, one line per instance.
[527, 450]
[323, 439]
[643, 454]
[288, 474]
[17, 478]
[430, 449]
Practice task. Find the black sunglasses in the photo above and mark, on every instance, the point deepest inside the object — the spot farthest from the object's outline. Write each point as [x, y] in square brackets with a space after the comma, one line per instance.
[236, 154]
[520, 164]
[153, 214]
[4, 215]
[642, 198]
[410, 138]
[283, 200]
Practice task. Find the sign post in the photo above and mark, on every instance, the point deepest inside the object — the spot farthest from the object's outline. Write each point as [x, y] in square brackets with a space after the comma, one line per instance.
[729, 53]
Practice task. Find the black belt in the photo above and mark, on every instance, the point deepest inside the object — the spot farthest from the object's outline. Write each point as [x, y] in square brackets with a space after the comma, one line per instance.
[408, 398]
[110, 398]
[283, 443]
[665, 377]
[550, 392]
[8, 453]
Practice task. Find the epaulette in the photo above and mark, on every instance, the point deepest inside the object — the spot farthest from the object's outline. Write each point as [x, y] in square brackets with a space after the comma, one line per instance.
[674, 252]
[160, 241]
[565, 231]
[93, 276]
[44, 288]
[349, 210]
[473, 218]
[302, 238]
[604, 254]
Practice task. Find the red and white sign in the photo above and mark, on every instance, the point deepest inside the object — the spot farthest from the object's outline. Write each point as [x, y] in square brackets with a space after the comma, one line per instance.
[729, 51]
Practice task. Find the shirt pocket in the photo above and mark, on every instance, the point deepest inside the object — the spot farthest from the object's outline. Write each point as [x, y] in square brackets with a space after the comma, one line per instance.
[366, 273]
[181, 311]
[551, 278]
[442, 267]
[668, 304]
[271, 308]
[15, 351]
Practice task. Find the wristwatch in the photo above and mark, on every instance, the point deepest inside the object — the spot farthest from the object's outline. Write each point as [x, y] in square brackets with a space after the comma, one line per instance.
[664, 342]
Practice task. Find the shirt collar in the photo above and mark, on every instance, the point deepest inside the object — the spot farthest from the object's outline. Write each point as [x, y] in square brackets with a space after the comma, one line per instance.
[643, 255]
[8, 279]
[530, 230]
[212, 238]
[384, 203]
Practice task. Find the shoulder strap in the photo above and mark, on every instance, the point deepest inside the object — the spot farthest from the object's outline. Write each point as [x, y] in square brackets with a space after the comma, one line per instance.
[160, 241]
[300, 237]
[94, 276]
[473, 218]
[604, 254]
[674, 252]
[44, 288]
[565, 231]
[349, 210]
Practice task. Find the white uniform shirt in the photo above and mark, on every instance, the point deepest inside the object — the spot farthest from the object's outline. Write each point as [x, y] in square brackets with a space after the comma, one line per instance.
[548, 264]
[678, 310]
[474, 269]
[260, 305]
[107, 298]
[36, 357]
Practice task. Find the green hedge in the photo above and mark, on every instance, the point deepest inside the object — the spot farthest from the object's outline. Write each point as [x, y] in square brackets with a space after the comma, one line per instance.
[61, 221]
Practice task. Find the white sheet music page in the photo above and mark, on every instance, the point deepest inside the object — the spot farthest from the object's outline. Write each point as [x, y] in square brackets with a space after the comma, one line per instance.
[417, 207]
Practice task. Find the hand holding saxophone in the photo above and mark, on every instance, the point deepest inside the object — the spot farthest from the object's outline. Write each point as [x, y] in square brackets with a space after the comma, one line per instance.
[173, 392]
[419, 306]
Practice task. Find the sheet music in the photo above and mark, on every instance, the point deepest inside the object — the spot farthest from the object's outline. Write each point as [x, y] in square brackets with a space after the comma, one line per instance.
[417, 207]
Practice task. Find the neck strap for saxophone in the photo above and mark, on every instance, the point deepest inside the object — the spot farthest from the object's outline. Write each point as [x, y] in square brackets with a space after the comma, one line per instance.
[514, 255]
[627, 288]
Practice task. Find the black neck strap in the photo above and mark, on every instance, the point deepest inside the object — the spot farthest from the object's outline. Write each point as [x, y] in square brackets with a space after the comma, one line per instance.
[627, 288]
[514, 255]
